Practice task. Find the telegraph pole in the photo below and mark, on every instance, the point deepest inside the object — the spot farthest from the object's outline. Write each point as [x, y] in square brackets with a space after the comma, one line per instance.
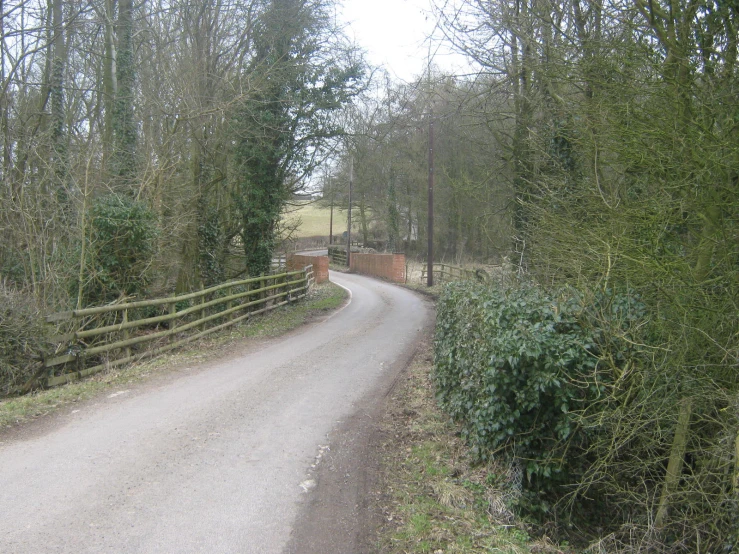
[430, 260]
[349, 223]
[430, 266]
[331, 219]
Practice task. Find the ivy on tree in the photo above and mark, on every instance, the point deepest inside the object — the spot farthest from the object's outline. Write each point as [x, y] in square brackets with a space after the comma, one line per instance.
[283, 131]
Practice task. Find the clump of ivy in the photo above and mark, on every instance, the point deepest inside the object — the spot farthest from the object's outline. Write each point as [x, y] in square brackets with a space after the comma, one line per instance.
[508, 366]
[122, 244]
[210, 241]
[517, 367]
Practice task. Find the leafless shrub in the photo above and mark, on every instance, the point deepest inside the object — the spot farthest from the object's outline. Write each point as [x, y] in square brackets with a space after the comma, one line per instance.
[21, 338]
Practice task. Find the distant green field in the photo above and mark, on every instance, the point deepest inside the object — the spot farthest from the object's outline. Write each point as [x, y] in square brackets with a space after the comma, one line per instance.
[315, 220]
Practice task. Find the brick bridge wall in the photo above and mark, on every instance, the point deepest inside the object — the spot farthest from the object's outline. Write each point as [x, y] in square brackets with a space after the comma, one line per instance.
[385, 266]
[296, 262]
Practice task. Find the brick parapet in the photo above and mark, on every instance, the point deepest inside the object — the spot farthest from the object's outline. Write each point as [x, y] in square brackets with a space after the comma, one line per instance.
[296, 262]
[385, 266]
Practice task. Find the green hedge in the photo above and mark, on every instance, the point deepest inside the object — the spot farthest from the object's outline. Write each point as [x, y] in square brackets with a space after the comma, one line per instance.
[122, 244]
[511, 365]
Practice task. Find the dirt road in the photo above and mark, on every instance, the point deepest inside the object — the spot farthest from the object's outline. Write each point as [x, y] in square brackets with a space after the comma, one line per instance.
[234, 456]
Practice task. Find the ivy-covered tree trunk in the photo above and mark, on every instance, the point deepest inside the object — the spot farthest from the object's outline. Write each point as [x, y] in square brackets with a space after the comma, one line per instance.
[263, 129]
[124, 126]
[109, 84]
[58, 129]
[261, 194]
[282, 131]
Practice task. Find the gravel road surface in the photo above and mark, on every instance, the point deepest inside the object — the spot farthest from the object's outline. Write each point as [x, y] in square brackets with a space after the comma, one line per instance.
[225, 458]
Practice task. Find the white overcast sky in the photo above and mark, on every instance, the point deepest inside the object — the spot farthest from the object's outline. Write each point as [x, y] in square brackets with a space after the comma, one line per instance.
[393, 32]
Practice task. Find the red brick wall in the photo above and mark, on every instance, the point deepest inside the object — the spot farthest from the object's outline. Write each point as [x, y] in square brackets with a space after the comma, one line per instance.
[385, 266]
[296, 262]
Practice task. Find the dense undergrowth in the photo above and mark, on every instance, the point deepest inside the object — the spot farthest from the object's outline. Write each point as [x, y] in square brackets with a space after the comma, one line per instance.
[571, 388]
[21, 327]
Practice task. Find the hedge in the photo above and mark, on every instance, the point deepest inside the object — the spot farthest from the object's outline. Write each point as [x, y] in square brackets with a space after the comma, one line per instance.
[510, 366]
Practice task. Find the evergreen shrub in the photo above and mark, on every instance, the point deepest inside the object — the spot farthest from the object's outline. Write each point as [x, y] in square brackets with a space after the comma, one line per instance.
[518, 366]
[122, 245]
[510, 365]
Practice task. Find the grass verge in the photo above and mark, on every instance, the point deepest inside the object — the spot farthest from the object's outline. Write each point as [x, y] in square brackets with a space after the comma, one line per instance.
[323, 298]
[435, 498]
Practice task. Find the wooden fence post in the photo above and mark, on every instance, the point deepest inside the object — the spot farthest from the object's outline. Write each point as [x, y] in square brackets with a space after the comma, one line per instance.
[202, 301]
[126, 334]
[172, 309]
[263, 293]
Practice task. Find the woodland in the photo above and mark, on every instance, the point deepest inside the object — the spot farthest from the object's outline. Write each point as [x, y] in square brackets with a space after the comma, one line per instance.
[594, 152]
[151, 148]
[143, 142]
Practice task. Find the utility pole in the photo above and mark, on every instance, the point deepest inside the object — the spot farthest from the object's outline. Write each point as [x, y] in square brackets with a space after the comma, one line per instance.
[349, 224]
[331, 218]
[430, 261]
[430, 258]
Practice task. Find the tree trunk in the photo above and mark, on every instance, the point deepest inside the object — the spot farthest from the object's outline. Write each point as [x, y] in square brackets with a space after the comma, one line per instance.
[58, 131]
[109, 85]
[675, 463]
[124, 126]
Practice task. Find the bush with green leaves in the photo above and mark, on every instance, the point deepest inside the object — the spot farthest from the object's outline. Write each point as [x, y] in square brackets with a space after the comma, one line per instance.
[21, 338]
[510, 365]
[122, 245]
[571, 385]
[519, 366]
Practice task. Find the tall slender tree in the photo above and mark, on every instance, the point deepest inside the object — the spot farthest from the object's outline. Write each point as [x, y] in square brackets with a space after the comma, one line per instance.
[124, 125]
[283, 131]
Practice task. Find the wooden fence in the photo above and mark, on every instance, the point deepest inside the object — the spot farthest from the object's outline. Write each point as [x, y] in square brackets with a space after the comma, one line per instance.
[337, 255]
[445, 273]
[337, 252]
[106, 336]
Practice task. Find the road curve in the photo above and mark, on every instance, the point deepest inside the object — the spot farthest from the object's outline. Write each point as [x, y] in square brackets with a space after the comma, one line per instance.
[218, 460]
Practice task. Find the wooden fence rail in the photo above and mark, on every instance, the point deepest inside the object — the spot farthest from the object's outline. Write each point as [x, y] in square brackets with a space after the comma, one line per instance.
[337, 255]
[445, 273]
[94, 334]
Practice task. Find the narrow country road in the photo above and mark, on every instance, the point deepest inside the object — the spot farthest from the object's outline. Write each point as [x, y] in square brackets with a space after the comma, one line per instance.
[218, 460]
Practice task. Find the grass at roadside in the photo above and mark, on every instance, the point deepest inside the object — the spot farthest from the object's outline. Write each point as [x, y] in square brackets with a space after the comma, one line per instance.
[436, 499]
[321, 299]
